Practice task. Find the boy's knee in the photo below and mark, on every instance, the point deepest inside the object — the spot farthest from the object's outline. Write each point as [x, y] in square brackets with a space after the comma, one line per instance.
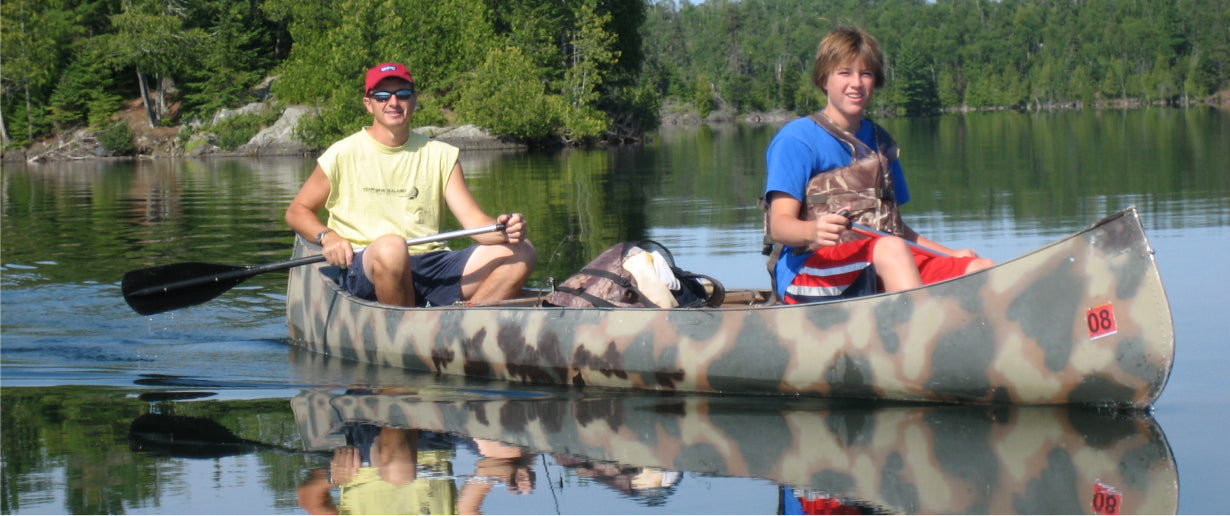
[979, 264]
[892, 247]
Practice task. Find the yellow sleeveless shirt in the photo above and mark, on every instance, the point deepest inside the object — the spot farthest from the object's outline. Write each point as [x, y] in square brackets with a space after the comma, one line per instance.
[376, 190]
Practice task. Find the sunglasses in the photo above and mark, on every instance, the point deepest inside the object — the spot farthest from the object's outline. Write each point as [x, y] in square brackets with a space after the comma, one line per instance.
[384, 96]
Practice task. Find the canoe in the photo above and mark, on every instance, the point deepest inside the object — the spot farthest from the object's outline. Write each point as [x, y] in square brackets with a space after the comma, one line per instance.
[877, 457]
[1083, 320]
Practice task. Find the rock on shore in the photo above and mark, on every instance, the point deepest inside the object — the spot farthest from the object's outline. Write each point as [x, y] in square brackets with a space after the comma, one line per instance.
[276, 140]
[279, 139]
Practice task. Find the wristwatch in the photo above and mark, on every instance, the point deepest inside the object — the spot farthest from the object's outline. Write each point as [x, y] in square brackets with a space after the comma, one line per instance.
[320, 237]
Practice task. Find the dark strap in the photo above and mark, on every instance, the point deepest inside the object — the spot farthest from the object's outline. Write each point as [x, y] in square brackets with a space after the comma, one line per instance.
[599, 302]
[878, 193]
[775, 253]
[716, 298]
[593, 300]
[653, 245]
[770, 249]
[619, 280]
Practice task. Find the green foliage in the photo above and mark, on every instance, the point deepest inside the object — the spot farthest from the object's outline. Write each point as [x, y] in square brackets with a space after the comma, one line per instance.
[34, 35]
[233, 59]
[236, 130]
[916, 90]
[83, 434]
[72, 62]
[944, 53]
[636, 111]
[337, 117]
[429, 111]
[102, 108]
[590, 54]
[702, 96]
[206, 55]
[506, 96]
[117, 139]
[84, 92]
[151, 37]
[337, 42]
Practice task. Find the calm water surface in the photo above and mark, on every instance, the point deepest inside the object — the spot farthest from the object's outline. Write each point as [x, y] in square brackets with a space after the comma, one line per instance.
[91, 392]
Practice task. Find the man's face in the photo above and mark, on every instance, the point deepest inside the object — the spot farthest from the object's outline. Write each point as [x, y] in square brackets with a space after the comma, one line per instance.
[393, 110]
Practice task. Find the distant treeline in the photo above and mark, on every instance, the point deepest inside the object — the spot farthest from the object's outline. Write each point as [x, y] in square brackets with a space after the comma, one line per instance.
[584, 70]
[524, 69]
[756, 55]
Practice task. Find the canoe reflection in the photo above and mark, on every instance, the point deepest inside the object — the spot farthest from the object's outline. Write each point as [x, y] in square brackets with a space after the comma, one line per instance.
[898, 458]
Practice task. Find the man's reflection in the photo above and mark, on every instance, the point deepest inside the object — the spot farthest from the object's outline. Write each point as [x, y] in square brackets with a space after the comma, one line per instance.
[386, 470]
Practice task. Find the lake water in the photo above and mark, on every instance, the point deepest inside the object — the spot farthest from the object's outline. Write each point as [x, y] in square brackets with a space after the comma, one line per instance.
[90, 392]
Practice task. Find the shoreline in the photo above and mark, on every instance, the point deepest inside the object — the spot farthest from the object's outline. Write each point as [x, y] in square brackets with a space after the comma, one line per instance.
[278, 139]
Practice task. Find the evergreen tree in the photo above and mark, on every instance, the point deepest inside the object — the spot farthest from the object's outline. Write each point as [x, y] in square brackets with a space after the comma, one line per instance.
[916, 89]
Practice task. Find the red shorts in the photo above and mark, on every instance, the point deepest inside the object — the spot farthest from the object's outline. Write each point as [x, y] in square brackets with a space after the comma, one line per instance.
[939, 268]
[830, 270]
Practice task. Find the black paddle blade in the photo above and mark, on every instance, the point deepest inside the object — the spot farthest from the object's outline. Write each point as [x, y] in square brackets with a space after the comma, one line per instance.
[168, 287]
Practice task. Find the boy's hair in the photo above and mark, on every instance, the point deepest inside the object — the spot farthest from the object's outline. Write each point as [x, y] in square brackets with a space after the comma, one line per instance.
[841, 46]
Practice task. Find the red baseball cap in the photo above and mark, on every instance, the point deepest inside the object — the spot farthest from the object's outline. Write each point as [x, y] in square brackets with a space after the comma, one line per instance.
[386, 70]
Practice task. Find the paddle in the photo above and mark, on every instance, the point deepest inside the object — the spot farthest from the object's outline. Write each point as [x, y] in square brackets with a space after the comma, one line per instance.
[867, 231]
[168, 287]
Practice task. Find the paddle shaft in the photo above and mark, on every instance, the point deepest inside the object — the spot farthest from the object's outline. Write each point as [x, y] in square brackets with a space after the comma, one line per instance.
[867, 231]
[252, 270]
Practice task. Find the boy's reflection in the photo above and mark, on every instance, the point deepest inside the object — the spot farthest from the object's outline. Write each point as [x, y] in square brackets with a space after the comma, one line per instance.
[385, 470]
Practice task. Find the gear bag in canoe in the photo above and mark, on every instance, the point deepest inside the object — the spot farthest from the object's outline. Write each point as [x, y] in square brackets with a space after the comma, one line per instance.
[637, 275]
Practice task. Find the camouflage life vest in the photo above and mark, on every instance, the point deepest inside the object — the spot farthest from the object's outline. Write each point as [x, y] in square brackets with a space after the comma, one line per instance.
[866, 184]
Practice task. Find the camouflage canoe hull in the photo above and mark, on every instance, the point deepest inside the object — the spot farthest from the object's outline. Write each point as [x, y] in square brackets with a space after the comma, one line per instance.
[891, 458]
[1084, 320]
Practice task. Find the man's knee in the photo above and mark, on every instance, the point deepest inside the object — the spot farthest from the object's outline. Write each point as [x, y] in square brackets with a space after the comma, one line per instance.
[505, 260]
[387, 253]
[524, 253]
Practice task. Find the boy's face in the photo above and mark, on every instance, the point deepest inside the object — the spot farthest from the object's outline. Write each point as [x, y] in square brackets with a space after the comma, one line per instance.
[395, 111]
[849, 87]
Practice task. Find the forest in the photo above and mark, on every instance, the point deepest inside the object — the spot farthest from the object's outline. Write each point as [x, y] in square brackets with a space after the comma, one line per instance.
[584, 71]
[756, 55]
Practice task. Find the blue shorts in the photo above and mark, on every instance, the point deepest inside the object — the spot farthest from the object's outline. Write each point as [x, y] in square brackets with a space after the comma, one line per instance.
[437, 277]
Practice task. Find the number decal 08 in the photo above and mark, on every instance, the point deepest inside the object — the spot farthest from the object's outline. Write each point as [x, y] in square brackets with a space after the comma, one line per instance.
[1101, 321]
[1106, 499]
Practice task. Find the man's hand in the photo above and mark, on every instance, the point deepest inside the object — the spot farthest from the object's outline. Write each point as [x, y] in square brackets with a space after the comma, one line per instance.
[345, 465]
[337, 250]
[514, 227]
[313, 494]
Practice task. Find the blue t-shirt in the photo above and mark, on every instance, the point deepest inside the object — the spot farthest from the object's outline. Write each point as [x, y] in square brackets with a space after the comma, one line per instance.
[801, 150]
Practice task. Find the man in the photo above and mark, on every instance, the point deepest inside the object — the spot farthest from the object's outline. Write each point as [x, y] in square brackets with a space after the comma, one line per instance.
[385, 184]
